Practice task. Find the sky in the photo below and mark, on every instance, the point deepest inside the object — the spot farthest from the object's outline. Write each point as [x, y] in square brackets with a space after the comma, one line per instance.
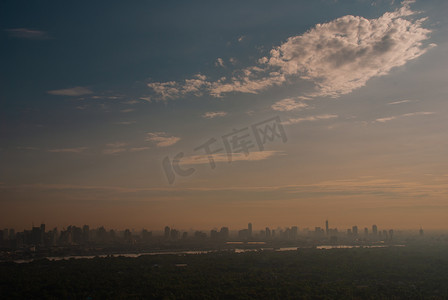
[203, 114]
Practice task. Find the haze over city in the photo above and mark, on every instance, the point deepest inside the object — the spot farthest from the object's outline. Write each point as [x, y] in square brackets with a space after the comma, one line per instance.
[200, 115]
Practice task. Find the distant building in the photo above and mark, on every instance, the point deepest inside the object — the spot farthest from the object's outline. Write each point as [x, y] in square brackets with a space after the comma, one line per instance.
[249, 230]
[167, 232]
[326, 227]
[224, 232]
[355, 230]
[374, 230]
[267, 233]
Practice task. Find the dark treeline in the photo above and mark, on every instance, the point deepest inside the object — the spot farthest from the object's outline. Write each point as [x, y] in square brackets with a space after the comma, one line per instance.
[360, 273]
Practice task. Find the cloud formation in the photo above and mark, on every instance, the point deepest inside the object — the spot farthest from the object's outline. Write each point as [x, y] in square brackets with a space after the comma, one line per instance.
[337, 57]
[288, 105]
[214, 114]
[399, 102]
[222, 157]
[419, 113]
[75, 91]
[309, 119]
[161, 139]
[30, 34]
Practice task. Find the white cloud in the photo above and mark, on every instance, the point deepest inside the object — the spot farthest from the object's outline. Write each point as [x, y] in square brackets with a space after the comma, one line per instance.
[337, 57]
[161, 139]
[399, 102]
[222, 157]
[68, 150]
[288, 105]
[131, 102]
[420, 113]
[344, 54]
[214, 114]
[25, 33]
[309, 119]
[75, 91]
[173, 89]
[114, 150]
[127, 110]
[145, 99]
[219, 62]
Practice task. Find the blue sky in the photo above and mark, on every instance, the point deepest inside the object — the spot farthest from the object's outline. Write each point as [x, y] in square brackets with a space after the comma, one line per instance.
[94, 95]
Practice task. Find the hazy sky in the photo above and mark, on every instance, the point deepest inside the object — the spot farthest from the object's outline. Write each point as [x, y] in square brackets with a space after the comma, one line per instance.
[96, 95]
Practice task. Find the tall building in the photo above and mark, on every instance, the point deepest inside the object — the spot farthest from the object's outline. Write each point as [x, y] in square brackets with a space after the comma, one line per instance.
[374, 230]
[167, 232]
[326, 227]
[249, 230]
[224, 232]
[294, 232]
[268, 233]
[355, 230]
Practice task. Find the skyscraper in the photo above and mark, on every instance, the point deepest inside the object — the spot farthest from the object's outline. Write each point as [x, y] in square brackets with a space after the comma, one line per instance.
[374, 229]
[249, 229]
[167, 232]
[326, 227]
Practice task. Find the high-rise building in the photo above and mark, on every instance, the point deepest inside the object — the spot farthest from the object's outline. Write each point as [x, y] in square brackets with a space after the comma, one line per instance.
[224, 232]
[249, 230]
[374, 230]
[294, 231]
[326, 227]
[268, 233]
[167, 232]
[355, 230]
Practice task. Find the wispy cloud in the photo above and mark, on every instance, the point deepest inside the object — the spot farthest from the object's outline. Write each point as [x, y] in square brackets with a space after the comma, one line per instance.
[222, 157]
[288, 105]
[219, 62]
[114, 148]
[26, 33]
[68, 150]
[399, 102]
[420, 113]
[173, 89]
[309, 119]
[75, 91]
[127, 110]
[338, 57]
[161, 139]
[214, 114]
